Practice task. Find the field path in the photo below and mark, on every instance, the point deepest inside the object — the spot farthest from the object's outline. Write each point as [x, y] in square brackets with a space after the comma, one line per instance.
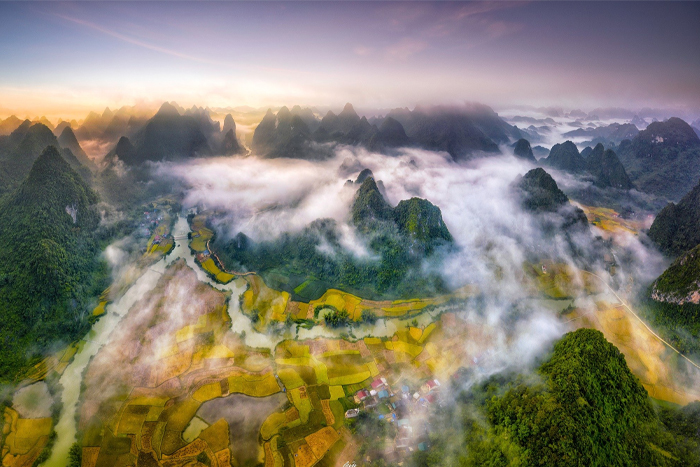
[627, 307]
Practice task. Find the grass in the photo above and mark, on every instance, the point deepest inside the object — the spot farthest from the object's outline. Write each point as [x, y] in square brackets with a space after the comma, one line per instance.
[290, 378]
[336, 392]
[207, 392]
[304, 456]
[350, 379]
[405, 347]
[254, 385]
[265, 303]
[322, 440]
[23, 434]
[301, 401]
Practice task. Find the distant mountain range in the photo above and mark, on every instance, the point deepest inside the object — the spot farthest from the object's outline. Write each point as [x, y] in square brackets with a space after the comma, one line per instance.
[608, 135]
[460, 131]
[663, 159]
[170, 135]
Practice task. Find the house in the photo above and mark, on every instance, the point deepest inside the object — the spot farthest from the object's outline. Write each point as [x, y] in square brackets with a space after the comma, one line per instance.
[362, 395]
[352, 413]
[371, 403]
[383, 394]
[403, 443]
[430, 386]
[377, 384]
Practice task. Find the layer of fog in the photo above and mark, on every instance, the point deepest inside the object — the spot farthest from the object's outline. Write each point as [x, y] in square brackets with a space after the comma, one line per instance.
[494, 237]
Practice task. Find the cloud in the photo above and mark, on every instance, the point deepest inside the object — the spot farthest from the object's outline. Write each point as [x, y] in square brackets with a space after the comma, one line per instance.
[405, 48]
[362, 51]
[141, 43]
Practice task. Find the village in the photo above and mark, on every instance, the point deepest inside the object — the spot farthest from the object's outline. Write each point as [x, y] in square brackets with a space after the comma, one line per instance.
[407, 411]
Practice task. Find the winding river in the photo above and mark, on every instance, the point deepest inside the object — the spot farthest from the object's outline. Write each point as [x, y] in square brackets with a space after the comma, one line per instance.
[115, 311]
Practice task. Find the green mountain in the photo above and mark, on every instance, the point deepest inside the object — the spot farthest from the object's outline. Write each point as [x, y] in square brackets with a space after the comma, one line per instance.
[663, 159]
[673, 301]
[540, 192]
[680, 283]
[523, 150]
[421, 221]
[49, 260]
[23, 146]
[565, 156]
[677, 227]
[583, 408]
[607, 169]
[416, 219]
[370, 206]
[540, 195]
[307, 263]
[347, 127]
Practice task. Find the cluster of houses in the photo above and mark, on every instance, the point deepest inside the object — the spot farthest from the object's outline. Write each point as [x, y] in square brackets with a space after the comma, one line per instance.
[406, 408]
[202, 256]
[151, 220]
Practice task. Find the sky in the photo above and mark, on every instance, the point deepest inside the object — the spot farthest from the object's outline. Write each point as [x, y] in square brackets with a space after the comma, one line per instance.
[68, 58]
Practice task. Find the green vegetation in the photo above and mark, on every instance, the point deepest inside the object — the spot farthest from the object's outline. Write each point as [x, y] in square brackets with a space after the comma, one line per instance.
[682, 278]
[540, 191]
[21, 148]
[368, 316]
[421, 221]
[678, 324]
[372, 431]
[584, 408]
[565, 156]
[75, 455]
[677, 227]
[663, 158]
[337, 318]
[676, 230]
[400, 238]
[607, 169]
[49, 264]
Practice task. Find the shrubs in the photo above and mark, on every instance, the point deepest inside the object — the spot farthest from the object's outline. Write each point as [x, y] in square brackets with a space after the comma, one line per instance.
[337, 318]
[369, 317]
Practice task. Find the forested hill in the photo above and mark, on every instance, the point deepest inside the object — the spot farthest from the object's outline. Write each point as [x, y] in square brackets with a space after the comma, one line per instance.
[48, 261]
[583, 408]
[307, 263]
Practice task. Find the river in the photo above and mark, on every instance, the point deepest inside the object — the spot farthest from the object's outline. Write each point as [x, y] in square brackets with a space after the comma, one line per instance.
[115, 311]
